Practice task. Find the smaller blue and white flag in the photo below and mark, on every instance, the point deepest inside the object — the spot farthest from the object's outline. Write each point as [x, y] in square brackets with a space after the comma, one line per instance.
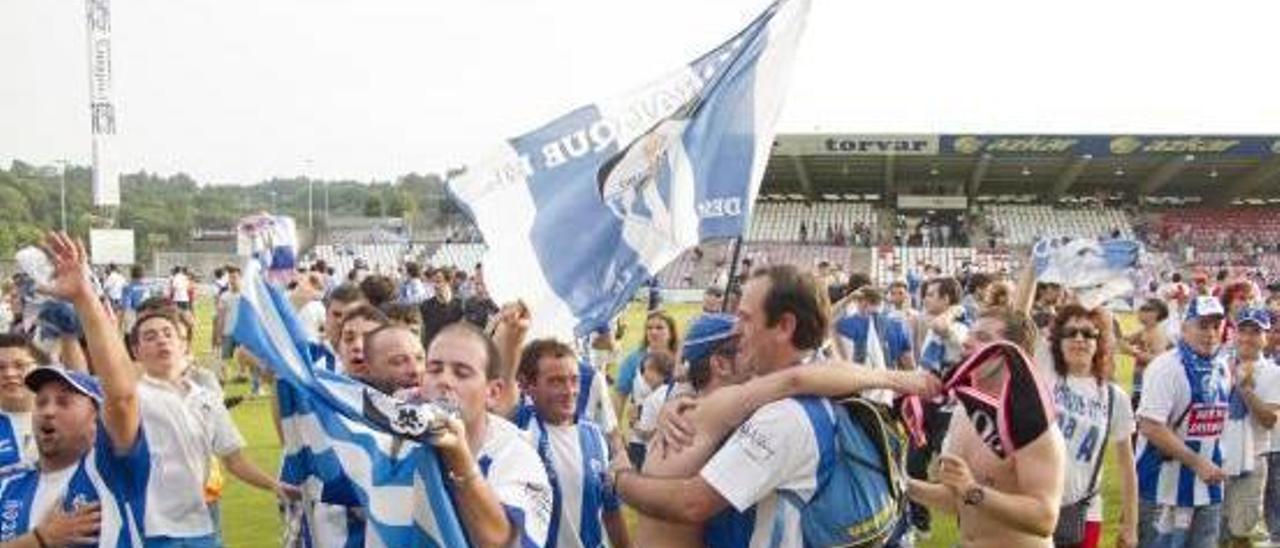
[272, 240]
[1096, 271]
[349, 436]
[578, 213]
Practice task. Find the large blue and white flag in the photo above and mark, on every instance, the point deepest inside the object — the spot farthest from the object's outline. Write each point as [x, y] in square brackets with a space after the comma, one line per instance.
[1097, 271]
[351, 438]
[581, 211]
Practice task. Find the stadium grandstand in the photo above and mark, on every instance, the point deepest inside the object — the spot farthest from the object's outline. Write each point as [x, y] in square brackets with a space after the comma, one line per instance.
[885, 204]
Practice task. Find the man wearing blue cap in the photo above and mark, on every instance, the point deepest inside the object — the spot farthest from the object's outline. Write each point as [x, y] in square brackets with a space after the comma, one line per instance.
[742, 490]
[709, 352]
[1180, 422]
[87, 486]
[1254, 402]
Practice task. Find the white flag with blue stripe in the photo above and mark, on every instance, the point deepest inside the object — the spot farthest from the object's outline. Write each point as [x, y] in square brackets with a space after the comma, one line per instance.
[344, 433]
[578, 213]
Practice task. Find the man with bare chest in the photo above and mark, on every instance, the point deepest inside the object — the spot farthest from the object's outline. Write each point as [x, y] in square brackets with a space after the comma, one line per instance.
[1001, 468]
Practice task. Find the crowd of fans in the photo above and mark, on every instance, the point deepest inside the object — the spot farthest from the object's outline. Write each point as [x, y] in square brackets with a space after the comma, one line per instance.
[109, 429]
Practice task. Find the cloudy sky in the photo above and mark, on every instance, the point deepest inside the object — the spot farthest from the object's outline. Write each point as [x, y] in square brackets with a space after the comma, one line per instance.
[235, 91]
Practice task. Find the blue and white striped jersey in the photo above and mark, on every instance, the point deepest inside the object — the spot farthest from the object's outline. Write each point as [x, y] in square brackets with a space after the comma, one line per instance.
[117, 482]
[578, 459]
[511, 467]
[1197, 416]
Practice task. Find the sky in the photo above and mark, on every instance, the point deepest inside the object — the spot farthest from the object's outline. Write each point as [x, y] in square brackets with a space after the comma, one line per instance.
[237, 91]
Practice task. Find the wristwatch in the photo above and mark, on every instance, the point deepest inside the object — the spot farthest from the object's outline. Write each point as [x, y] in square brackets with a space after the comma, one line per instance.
[973, 496]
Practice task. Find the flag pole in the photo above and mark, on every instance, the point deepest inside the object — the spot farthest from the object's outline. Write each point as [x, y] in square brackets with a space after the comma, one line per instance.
[733, 274]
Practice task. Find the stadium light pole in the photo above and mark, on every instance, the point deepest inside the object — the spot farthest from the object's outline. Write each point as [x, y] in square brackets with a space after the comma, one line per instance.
[62, 193]
[311, 198]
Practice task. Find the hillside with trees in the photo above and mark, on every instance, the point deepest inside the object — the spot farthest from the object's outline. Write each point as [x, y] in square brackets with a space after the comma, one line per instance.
[163, 211]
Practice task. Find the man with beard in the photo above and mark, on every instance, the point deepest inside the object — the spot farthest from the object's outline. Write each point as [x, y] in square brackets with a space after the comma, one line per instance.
[89, 483]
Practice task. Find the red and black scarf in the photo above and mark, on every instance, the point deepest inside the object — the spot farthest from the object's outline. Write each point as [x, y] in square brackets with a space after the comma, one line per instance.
[1007, 422]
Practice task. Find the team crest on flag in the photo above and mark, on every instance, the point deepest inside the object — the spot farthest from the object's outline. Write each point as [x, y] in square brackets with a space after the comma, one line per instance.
[580, 212]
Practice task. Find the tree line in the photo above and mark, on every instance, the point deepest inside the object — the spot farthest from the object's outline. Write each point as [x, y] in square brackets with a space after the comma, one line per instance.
[164, 211]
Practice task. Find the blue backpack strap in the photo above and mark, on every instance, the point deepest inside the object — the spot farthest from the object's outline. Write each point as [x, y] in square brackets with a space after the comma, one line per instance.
[823, 420]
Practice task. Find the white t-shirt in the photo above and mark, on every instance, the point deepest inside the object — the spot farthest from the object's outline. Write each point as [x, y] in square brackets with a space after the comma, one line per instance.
[652, 407]
[511, 467]
[1243, 438]
[775, 450]
[114, 286]
[180, 285]
[1272, 445]
[6, 315]
[941, 352]
[229, 308]
[183, 432]
[599, 407]
[1081, 405]
[639, 394]
[51, 487]
[311, 315]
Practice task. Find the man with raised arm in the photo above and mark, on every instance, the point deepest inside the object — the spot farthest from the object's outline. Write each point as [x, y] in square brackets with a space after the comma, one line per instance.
[1003, 483]
[89, 484]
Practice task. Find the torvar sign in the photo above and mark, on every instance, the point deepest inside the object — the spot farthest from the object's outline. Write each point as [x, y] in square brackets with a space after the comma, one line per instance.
[856, 145]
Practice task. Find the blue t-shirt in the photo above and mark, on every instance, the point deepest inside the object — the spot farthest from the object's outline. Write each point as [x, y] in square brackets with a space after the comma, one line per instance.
[17, 444]
[117, 482]
[892, 333]
[133, 295]
[629, 370]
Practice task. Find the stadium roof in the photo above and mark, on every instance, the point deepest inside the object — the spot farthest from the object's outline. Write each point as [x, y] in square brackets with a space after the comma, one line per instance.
[1216, 169]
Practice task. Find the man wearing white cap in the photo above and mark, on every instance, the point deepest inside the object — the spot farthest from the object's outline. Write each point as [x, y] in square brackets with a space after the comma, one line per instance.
[1180, 423]
[88, 484]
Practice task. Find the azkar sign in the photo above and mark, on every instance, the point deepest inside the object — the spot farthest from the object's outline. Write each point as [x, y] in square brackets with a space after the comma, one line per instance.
[1111, 145]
